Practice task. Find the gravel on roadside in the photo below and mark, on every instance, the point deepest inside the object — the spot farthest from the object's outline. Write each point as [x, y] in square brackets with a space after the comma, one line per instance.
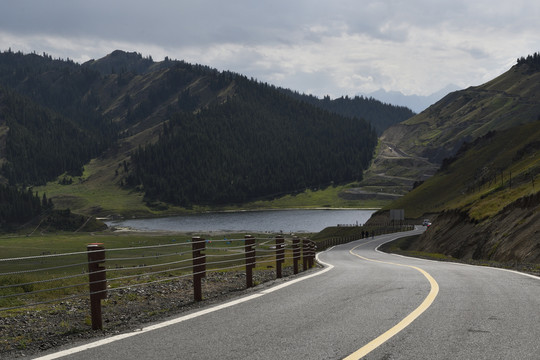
[31, 331]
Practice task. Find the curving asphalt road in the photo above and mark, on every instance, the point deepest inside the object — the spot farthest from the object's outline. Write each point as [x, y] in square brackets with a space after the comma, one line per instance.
[363, 304]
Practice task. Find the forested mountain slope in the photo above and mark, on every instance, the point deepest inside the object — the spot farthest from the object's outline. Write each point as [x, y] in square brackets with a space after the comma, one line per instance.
[220, 136]
[251, 147]
[37, 144]
[381, 115]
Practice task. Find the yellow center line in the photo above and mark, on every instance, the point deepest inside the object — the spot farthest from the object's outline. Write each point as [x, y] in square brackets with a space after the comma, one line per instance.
[375, 343]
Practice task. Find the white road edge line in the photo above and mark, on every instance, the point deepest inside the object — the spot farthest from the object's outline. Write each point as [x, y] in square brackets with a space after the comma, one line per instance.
[455, 263]
[180, 319]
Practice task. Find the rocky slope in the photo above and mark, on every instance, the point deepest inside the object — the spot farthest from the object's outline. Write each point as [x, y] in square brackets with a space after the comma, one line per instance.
[419, 145]
[484, 202]
[512, 236]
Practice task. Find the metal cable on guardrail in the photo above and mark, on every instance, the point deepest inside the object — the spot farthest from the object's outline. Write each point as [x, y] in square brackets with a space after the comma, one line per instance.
[43, 290]
[237, 254]
[44, 302]
[221, 262]
[140, 267]
[41, 281]
[227, 248]
[130, 286]
[149, 273]
[147, 257]
[143, 269]
[148, 247]
[42, 256]
[42, 269]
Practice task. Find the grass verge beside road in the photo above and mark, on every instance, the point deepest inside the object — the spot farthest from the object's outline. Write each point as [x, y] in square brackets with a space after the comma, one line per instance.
[131, 259]
[403, 245]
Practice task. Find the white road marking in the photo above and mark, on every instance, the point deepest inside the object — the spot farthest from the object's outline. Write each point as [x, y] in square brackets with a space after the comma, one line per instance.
[180, 319]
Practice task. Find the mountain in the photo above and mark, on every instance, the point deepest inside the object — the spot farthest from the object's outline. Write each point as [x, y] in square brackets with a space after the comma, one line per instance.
[120, 61]
[484, 203]
[380, 115]
[412, 151]
[484, 200]
[38, 144]
[166, 134]
[417, 103]
[248, 148]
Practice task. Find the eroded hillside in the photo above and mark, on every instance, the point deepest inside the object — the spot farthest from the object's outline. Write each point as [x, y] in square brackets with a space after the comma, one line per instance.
[484, 203]
[413, 150]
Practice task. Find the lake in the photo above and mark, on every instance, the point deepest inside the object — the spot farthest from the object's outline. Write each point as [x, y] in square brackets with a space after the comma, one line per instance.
[273, 221]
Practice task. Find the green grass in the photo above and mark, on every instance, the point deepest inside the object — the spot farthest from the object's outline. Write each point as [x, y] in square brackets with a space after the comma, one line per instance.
[459, 187]
[320, 198]
[98, 192]
[130, 255]
[95, 193]
[341, 231]
[402, 245]
[505, 102]
[350, 233]
[92, 193]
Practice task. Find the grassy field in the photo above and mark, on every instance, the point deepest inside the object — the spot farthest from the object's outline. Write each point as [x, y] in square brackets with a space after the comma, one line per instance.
[96, 192]
[321, 198]
[131, 259]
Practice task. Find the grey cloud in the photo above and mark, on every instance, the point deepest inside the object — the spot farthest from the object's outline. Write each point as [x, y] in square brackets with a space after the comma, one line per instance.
[207, 21]
[239, 35]
[164, 22]
[475, 52]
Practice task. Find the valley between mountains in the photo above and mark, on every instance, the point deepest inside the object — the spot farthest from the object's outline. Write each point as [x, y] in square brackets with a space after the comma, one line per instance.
[124, 136]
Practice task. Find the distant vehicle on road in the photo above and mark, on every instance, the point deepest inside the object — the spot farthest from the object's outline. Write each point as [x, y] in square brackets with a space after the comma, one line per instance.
[426, 222]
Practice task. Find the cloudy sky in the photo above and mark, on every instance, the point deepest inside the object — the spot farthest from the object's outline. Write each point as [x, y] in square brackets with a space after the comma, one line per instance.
[334, 47]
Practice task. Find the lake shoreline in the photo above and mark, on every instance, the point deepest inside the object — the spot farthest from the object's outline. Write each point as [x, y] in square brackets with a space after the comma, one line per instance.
[187, 213]
[259, 221]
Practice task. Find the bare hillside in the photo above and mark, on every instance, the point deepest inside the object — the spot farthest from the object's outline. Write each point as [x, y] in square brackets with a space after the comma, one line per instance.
[413, 150]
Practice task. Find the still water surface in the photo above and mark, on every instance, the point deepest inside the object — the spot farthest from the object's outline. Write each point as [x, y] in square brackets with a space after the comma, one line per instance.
[272, 221]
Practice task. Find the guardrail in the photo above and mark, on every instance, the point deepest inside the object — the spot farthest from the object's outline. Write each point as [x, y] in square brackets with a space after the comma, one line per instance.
[363, 232]
[49, 278]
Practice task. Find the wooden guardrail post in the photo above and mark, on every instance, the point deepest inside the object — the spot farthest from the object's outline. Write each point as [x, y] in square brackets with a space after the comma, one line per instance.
[199, 266]
[305, 254]
[313, 250]
[308, 257]
[280, 255]
[310, 253]
[296, 253]
[97, 277]
[250, 259]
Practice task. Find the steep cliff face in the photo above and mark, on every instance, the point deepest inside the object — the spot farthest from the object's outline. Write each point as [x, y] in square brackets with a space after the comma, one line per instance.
[513, 235]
